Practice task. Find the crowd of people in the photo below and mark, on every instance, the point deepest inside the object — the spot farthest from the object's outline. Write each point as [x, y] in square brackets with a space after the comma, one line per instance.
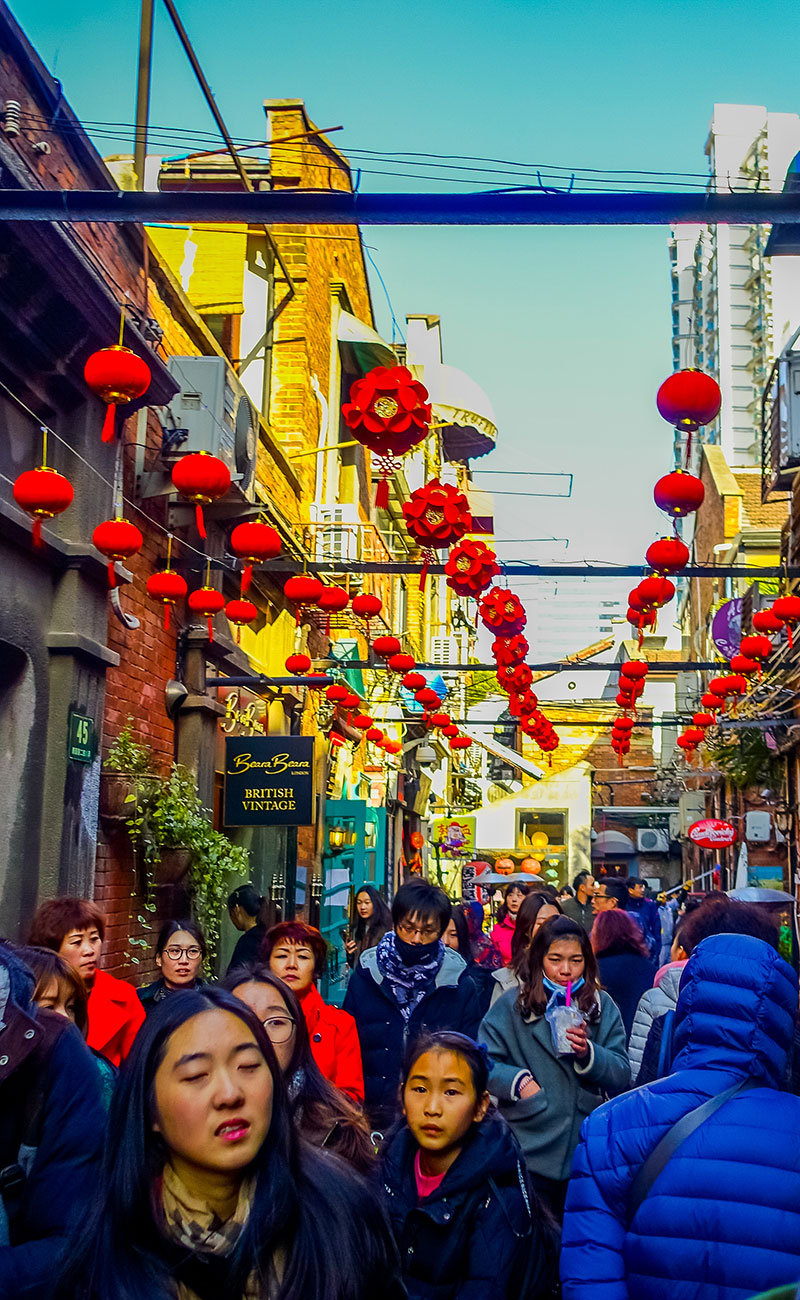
[560, 1106]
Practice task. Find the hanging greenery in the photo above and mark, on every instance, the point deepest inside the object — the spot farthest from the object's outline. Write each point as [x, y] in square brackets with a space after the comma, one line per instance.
[745, 758]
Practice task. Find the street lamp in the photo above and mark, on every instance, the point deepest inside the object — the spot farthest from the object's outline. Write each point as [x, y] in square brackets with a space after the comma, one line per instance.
[336, 837]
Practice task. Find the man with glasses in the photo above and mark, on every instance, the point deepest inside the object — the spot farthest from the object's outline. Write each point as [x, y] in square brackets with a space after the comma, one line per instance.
[409, 984]
[610, 894]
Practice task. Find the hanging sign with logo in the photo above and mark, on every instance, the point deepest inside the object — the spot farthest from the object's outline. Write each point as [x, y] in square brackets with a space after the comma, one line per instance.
[726, 627]
[454, 836]
[712, 834]
[269, 781]
[471, 873]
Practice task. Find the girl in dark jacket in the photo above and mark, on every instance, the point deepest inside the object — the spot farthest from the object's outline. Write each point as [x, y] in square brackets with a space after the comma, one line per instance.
[457, 936]
[623, 961]
[207, 1190]
[466, 1221]
[374, 921]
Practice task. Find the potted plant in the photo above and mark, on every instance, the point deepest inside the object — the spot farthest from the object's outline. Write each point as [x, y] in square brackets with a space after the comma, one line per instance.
[128, 774]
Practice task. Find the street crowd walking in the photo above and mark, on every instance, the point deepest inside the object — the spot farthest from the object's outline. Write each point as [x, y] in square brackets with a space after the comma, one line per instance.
[446, 1135]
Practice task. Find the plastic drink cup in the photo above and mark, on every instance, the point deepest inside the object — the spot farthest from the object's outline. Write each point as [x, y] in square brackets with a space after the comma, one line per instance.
[561, 1019]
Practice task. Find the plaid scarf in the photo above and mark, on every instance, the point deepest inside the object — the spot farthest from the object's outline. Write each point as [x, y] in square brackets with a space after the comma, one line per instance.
[190, 1223]
[408, 984]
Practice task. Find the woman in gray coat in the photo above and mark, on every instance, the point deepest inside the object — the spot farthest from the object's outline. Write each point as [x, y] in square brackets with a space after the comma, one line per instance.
[545, 1095]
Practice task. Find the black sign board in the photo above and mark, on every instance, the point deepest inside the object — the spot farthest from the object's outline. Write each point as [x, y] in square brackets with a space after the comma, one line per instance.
[80, 738]
[269, 781]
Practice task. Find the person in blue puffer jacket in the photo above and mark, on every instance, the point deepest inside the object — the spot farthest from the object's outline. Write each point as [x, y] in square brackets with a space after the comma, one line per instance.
[722, 1219]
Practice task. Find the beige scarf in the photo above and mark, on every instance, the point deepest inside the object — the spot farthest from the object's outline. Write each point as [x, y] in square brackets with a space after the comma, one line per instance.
[191, 1223]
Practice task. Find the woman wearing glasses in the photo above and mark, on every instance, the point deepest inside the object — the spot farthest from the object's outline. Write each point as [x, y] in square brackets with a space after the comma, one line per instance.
[322, 1114]
[180, 953]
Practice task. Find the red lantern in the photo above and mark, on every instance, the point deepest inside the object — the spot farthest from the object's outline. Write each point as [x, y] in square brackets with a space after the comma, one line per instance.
[635, 669]
[764, 621]
[787, 610]
[119, 540]
[679, 493]
[363, 721]
[297, 664]
[515, 678]
[426, 696]
[741, 664]
[351, 700]
[254, 543]
[710, 701]
[367, 606]
[718, 686]
[413, 681]
[502, 612]
[624, 724]
[471, 567]
[386, 646]
[315, 685]
[337, 693]
[375, 735]
[332, 600]
[389, 413]
[42, 493]
[656, 591]
[703, 720]
[402, 663]
[436, 515]
[667, 555]
[117, 376]
[736, 684]
[624, 701]
[686, 743]
[510, 650]
[695, 735]
[240, 612]
[689, 398]
[756, 647]
[201, 478]
[206, 601]
[460, 742]
[450, 730]
[439, 720]
[168, 587]
[302, 589]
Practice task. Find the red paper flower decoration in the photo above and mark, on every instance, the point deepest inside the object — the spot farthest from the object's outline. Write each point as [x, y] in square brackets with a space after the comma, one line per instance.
[436, 515]
[502, 612]
[389, 413]
[514, 678]
[471, 567]
[509, 650]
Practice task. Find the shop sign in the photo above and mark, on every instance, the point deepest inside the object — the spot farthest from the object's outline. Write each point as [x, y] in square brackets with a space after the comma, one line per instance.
[726, 627]
[712, 834]
[80, 738]
[471, 873]
[269, 781]
[454, 836]
[244, 712]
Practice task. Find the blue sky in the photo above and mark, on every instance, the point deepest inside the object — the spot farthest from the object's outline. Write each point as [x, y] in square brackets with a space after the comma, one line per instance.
[567, 330]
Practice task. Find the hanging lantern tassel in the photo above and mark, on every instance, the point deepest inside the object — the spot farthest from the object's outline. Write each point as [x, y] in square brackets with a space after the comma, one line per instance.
[43, 494]
[388, 466]
[428, 556]
[118, 539]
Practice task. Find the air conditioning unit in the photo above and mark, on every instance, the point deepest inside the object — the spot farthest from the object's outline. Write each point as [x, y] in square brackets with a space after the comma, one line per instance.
[757, 827]
[650, 840]
[217, 414]
[692, 808]
[444, 650]
[337, 537]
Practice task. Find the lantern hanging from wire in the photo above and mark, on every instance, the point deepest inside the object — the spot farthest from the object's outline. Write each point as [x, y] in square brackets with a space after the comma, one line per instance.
[386, 646]
[401, 663]
[688, 399]
[206, 601]
[42, 493]
[362, 721]
[167, 586]
[202, 479]
[667, 555]
[117, 376]
[389, 413]
[302, 590]
[298, 664]
[332, 600]
[413, 681]
[756, 647]
[450, 730]
[703, 720]
[375, 735]
[240, 613]
[460, 742]
[366, 606]
[765, 622]
[679, 494]
[746, 667]
[440, 720]
[787, 611]
[471, 567]
[118, 539]
[337, 693]
[254, 542]
[427, 697]
[502, 612]
[710, 701]
[436, 516]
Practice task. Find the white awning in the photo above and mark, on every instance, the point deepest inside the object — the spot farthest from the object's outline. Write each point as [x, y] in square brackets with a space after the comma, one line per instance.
[365, 345]
[509, 756]
[612, 844]
[464, 409]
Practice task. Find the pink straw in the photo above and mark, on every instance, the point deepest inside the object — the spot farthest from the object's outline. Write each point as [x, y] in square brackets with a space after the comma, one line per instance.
[569, 993]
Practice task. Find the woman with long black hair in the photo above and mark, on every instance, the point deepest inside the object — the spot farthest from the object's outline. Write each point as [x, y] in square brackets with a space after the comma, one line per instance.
[374, 921]
[207, 1191]
[323, 1114]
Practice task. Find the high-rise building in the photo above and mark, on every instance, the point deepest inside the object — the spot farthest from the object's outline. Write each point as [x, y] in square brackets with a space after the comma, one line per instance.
[732, 309]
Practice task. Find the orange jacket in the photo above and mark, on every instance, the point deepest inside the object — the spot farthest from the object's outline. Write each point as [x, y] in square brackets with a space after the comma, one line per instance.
[115, 1017]
[334, 1044]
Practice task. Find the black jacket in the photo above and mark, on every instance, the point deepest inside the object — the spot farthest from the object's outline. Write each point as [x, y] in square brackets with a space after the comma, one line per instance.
[52, 1126]
[151, 995]
[625, 975]
[451, 1003]
[248, 947]
[481, 1235]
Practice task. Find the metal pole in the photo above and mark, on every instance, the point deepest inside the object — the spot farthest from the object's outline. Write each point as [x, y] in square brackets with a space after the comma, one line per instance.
[143, 90]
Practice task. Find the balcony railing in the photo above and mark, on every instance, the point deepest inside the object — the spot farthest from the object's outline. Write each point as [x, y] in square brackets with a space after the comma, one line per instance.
[780, 422]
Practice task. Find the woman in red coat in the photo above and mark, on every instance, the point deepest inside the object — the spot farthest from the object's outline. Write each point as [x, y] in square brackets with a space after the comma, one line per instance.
[74, 928]
[297, 954]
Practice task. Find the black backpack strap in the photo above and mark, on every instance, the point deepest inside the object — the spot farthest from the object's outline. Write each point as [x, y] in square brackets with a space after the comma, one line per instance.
[664, 1151]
